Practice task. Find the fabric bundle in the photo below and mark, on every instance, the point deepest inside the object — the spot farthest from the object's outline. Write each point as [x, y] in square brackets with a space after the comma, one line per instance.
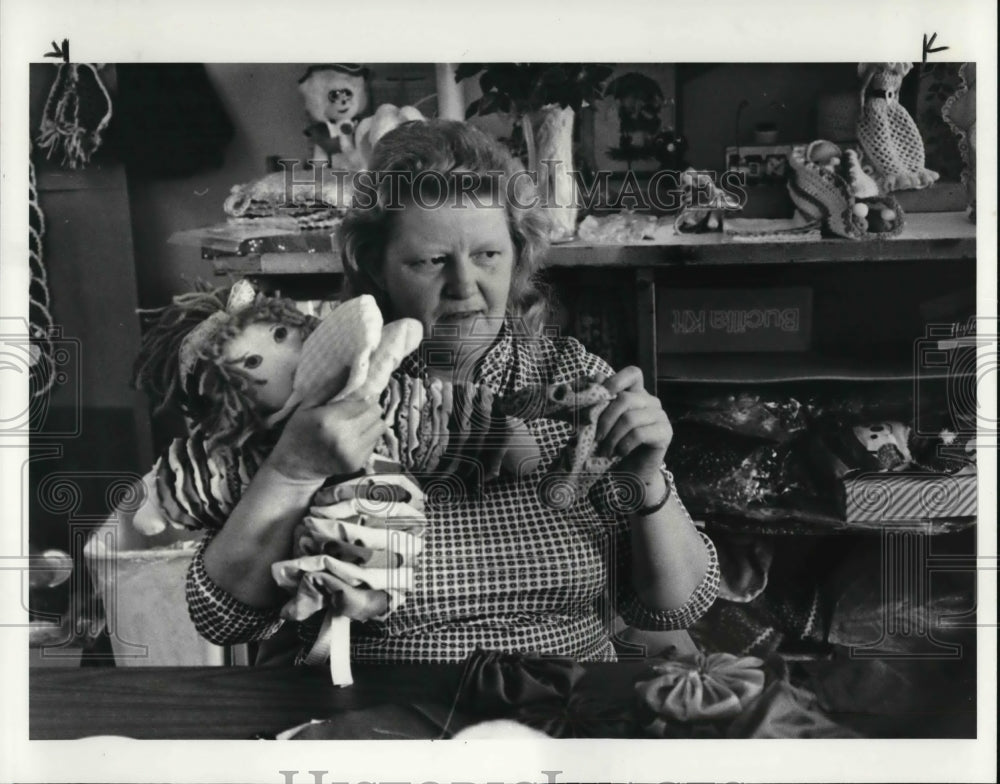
[541, 692]
[353, 559]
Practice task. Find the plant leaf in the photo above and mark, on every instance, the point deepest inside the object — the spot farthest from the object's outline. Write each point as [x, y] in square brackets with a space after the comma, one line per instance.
[467, 70]
[489, 103]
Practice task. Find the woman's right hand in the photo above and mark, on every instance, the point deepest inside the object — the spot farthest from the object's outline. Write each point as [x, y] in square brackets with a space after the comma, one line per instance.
[329, 440]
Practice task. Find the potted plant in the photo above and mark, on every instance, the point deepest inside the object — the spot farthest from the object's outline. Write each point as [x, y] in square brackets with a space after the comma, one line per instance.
[543, 99]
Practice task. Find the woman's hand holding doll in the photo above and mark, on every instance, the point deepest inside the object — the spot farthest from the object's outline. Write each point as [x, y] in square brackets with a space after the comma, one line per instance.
[635, 428]
[327, 440]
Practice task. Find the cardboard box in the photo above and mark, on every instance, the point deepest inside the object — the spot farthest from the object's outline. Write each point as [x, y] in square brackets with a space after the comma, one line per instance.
[710, 320]
[142, 592]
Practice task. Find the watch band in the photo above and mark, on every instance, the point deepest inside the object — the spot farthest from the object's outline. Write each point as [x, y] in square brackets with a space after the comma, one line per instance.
[668, 480]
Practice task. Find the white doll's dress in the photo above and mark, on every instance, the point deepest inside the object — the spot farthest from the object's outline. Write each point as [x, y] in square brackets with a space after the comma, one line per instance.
[890, 137]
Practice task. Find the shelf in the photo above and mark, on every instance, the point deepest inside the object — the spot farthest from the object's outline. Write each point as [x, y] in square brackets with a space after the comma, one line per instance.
[931, 235]
[934, 235]
[753, 368]
[805, 527]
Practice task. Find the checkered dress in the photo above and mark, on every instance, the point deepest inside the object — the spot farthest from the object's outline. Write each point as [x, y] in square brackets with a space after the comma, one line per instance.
[500, 571]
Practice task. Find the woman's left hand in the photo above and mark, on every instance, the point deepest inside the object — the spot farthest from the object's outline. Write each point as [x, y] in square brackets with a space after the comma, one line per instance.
[634, 426]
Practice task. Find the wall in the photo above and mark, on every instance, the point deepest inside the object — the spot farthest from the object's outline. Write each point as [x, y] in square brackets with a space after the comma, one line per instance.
[264, 105]
[783, 93]
[94, 429]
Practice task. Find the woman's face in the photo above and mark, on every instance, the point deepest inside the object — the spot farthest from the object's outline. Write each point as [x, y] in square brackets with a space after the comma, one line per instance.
[450, 268]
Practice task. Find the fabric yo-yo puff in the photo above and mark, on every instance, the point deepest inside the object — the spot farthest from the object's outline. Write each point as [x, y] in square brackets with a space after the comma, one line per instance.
[700, 688]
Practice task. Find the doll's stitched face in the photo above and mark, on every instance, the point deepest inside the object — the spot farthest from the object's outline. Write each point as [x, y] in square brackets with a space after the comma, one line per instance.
[267, 354]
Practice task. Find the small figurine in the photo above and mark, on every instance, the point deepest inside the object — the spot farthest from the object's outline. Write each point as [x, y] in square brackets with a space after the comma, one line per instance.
[887, 132]
[703, 204]
[336, 98]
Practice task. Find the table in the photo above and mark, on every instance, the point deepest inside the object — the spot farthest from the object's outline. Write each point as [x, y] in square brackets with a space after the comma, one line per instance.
[238, 703]
[241, 703]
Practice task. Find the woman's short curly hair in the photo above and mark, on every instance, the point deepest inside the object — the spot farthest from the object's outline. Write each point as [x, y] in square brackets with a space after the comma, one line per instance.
[455, 150]
[214, 397]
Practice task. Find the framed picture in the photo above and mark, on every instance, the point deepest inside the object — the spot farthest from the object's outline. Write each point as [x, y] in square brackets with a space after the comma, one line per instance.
[634, 125]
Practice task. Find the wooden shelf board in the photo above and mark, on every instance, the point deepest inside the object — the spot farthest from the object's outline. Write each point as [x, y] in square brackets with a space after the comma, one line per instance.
[792, 527]
[750, 368]
[932, 235]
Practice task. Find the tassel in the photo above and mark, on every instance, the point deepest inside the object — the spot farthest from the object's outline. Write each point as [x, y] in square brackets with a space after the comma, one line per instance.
[61, 128]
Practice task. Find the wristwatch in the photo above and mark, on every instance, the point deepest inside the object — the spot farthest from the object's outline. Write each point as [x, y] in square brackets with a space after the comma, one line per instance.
[668, 480]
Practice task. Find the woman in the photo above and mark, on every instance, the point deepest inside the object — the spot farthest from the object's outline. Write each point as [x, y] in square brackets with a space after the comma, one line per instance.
[500, 569]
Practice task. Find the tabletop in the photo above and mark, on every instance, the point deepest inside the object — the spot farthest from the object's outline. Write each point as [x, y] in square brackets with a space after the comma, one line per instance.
[891, 698]
[240, 703]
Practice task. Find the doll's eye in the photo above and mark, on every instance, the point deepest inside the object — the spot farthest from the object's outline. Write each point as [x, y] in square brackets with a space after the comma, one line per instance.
[280, 333]
[252, 362]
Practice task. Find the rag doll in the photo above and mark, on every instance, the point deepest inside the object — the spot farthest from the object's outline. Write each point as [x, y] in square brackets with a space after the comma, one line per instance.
[887, 131]
[237, 369]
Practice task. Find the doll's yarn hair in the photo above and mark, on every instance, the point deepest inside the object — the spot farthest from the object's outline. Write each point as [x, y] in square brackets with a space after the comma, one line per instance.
[214, 396]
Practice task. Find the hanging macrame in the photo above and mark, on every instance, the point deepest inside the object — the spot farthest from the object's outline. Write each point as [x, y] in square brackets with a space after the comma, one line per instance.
[39, 300]
[78, 97]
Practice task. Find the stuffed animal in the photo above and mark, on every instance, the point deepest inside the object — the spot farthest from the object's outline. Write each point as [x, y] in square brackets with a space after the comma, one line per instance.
[336, 98]
[887, 132]
[385, 118]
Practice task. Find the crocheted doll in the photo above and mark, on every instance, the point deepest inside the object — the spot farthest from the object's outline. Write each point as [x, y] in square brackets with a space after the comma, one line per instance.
[959, 111]
[887, 132]
[828, 184]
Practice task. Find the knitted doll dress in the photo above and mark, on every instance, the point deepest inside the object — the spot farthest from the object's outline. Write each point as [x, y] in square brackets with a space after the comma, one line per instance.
[888, 133]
